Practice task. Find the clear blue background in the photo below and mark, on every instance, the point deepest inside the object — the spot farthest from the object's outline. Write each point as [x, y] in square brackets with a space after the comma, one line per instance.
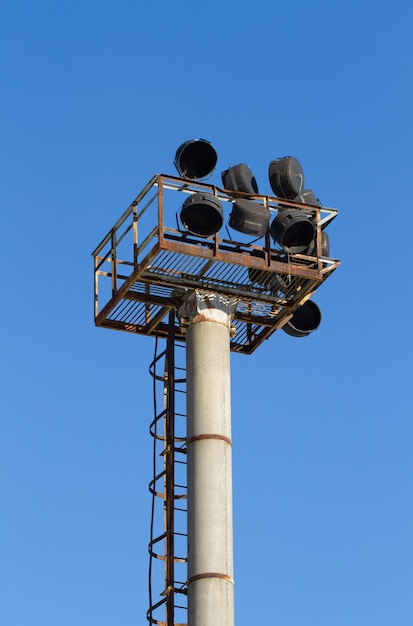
[96, 97]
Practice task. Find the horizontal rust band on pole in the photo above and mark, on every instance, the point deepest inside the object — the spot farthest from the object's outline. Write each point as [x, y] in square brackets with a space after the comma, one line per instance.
[210, 575]
[201, 437]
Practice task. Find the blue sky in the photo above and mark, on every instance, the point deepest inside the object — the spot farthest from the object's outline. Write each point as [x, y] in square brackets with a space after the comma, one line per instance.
[96, 98]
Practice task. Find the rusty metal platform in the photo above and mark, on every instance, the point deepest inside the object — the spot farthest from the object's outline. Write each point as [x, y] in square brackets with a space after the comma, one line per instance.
[149, 264]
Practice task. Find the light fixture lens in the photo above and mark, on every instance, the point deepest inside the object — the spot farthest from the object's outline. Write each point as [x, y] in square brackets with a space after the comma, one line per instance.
[202, 214]
[195, 158]
[305, 320]
[293, 230]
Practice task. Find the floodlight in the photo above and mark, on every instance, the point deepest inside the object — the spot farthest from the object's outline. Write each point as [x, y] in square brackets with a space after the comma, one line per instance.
[249, 217]
[195, 158]
[304, 320]
[202, 214]
[286, 177]
[325, 246]
[293, 230]
[307, 197]
[239, 178]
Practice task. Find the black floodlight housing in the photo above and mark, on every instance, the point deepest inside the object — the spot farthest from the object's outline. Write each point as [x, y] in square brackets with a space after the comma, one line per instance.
[239, 178]
[195, 158]
[250, 218]
[202, 214]
[293, 230]
[304, 321]
[286, 177]
[325, 246]
[307, 197]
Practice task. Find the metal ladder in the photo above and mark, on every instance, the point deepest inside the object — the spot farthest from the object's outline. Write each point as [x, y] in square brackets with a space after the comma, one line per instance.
[168, 539]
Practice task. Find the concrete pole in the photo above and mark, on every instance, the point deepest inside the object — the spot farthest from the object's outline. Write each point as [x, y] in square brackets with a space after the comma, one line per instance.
[210, 534]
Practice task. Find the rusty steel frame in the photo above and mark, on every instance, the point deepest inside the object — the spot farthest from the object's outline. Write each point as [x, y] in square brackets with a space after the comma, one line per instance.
[166, 263]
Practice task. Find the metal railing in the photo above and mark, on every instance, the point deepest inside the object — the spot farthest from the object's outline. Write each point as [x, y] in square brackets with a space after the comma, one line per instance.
[147, 264]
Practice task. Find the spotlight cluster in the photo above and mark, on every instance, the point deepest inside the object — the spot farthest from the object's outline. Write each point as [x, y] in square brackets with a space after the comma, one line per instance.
[293, 230]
